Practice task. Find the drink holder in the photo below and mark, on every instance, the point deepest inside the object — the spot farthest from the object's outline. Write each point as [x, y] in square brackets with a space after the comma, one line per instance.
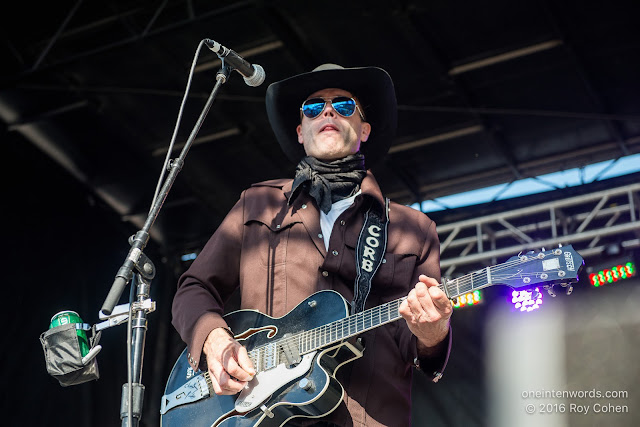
[63, 357]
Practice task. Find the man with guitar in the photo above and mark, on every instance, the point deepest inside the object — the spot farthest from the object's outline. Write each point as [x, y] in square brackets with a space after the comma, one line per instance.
[330, 228]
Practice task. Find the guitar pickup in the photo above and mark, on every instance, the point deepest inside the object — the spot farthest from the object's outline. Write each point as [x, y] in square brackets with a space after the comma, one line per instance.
[195, 389]
[291, 351]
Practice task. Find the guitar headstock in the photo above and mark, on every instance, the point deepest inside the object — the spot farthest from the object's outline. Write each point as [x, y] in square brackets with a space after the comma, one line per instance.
[547, 268]
[561, 265]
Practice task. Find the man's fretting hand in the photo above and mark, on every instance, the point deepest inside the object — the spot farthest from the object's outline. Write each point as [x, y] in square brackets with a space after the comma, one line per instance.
[427, 311]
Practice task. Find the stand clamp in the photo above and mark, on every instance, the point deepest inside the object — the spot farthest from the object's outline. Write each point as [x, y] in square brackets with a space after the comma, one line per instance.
[136, 402]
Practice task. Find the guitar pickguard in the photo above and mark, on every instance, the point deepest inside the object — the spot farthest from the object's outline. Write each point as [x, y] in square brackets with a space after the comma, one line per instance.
[265, 383]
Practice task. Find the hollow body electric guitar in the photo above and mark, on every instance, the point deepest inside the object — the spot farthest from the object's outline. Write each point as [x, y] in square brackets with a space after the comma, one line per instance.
[296, 356]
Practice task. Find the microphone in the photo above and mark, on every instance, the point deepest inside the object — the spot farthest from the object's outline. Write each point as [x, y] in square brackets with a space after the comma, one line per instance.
[253, 74]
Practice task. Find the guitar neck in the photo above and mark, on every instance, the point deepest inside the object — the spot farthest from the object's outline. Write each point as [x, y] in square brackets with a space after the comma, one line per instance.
[524, 270]
[353, 325]
[470, 282]
[348, 327]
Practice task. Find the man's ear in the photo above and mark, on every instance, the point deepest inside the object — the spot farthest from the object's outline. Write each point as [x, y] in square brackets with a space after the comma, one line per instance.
[365, 131]
[299, 132]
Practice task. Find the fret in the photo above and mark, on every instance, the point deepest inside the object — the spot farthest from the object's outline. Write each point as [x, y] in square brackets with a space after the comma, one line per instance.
[366, 321]
[345, 329]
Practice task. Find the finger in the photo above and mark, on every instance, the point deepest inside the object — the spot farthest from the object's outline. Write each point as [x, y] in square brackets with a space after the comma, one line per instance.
[420, 311]
[230, 385]
[422, 306]
[214, 375]
[245, 362]
[404, 310]
[235, 370]
[438, 297]
[215, 385]
[429, 281]
[440, 300]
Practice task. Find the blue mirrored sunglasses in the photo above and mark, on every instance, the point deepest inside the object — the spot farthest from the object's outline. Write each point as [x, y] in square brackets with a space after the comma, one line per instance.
[342, 105]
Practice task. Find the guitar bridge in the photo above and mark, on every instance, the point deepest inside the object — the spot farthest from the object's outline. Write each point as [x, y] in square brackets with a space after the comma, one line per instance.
[195, 389]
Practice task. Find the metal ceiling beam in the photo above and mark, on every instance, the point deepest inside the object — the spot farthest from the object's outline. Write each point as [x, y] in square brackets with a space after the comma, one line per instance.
[47, 139]
[426, 45]
[618, 222]
[503, 57]
[612, 127]
[277, 20]
[153, 19]
[16, 124]
[55, 37]
[520, 112]
[200, 140]
[596, 152]
[445, 136]
[136, 38]
[552, 223]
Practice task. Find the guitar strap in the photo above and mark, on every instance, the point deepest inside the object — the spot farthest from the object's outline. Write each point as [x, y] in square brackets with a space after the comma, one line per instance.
[370, 250]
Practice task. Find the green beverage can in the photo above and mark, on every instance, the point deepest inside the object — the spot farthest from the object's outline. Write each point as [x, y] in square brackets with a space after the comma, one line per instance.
[67, 316]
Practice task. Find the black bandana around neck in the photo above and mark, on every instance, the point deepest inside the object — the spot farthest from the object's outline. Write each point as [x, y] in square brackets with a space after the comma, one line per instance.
[329, 182]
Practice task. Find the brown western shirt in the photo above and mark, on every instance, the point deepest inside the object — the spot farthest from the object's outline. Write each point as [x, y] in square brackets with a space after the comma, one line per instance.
[274, 255]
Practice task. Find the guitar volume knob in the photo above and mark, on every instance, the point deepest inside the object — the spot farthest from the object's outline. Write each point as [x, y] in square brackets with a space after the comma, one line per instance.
[305, 384]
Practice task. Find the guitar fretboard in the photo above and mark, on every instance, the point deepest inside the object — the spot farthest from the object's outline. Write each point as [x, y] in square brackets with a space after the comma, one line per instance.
[273, 353]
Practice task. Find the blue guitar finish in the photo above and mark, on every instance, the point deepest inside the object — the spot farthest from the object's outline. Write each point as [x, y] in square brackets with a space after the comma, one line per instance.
[316, 395]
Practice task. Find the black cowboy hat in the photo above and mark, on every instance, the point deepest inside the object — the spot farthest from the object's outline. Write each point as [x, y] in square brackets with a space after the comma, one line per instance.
[371, 85]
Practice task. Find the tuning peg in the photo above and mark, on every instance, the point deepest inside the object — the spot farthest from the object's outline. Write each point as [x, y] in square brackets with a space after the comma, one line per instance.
[543, 250]
[549, 289]
[569, 287]
[559, 245]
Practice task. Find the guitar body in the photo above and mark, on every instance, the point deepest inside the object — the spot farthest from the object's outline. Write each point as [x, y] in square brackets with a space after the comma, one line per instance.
[303, 389]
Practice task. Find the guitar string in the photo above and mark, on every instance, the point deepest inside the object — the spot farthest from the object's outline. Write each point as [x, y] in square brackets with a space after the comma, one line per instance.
[495, 270]
[495, 274]
[324, 333]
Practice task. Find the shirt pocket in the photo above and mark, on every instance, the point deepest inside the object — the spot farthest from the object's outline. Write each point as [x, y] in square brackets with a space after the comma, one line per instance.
[395, 274]
[266, 242]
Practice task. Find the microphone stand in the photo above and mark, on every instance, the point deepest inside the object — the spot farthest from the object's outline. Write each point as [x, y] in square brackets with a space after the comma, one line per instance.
[131, 403]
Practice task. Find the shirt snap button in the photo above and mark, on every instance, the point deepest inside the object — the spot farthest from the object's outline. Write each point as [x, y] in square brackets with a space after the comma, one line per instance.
[325, 273]
[320, 235]
[335, 253]
[304, 206]
[342, 222]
